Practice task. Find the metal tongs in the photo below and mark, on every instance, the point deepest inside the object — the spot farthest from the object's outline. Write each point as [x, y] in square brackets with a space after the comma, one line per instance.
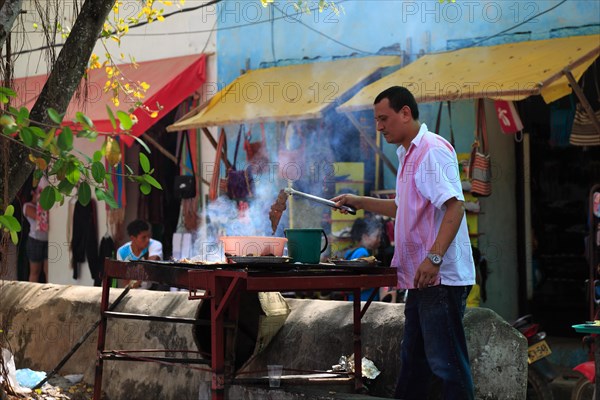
[317, 199]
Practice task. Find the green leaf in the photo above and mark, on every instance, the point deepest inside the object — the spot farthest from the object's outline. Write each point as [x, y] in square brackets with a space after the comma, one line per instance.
[109, 183]
[92, 135]
[56, 166]
[23, 116]
[51, 134]
[47, 198]
[125, 120]
[26, 136]
[8, 92]
[144, 145]
[129, 170]
[65, 187]
[10, 222]
[144, 162]
[55, 116]
[111, 116]
[97, 156]
[150, 179]
[58, 197]
[98, 171]
[73, 173]
[84, 194]
[83, 119]
[14, 237]
[65, 139]
[104, 196]
[39, 132]
[10, 210]
[145, 188]
[9, 130]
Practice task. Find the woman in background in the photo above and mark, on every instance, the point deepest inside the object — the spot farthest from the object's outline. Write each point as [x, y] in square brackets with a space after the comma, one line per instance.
[37, 242]
[366, 233]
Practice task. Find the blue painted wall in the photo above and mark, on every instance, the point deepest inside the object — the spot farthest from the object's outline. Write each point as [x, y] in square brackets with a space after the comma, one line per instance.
[246, 30]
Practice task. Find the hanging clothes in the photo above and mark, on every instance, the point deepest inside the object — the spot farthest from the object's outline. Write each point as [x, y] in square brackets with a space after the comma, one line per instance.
[84, 243]
[107, 249]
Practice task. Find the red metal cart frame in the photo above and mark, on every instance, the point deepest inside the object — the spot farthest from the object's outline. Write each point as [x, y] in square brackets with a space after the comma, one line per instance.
[222, 286]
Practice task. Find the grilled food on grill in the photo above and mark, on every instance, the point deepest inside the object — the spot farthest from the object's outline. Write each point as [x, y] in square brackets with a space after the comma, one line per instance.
[277, 209]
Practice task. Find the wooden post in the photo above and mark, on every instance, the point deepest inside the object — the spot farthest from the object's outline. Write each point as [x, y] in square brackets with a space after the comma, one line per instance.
[362, 132]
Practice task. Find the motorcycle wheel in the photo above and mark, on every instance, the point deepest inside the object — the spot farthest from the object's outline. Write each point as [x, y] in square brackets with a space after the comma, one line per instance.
[583, 390]
[538, 387]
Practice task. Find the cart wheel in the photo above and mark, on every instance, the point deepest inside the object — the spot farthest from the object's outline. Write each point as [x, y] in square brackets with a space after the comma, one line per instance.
[583, 390]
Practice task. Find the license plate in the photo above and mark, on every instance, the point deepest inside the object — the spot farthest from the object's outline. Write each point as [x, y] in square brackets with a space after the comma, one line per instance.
[538, 351]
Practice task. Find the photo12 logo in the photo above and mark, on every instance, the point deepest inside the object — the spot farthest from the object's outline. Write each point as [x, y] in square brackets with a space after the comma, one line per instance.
[272, 92]
[251, 12]
[468, 11]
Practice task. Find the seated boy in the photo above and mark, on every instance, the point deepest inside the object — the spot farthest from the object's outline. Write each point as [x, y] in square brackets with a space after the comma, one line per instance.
[140, 247]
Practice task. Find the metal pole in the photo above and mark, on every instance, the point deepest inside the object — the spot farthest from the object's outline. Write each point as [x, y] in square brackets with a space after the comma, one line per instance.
[80, 341]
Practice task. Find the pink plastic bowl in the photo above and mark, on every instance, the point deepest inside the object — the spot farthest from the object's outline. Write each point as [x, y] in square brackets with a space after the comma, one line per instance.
[253, 245]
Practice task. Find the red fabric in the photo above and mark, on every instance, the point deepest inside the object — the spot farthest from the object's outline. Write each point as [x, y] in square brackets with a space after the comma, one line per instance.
[171, 81]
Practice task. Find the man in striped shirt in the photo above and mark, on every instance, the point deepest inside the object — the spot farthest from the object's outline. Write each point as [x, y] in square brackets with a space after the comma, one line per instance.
[432, 249]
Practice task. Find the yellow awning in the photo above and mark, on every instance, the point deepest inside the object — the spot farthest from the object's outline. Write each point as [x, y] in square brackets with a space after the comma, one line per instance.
[284, 93]
[511, 71]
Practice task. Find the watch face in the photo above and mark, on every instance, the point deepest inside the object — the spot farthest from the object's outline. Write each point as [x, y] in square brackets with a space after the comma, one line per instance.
[436, 259]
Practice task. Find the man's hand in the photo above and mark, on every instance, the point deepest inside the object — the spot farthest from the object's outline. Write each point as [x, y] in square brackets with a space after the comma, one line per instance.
[426, 275]
[350, 200]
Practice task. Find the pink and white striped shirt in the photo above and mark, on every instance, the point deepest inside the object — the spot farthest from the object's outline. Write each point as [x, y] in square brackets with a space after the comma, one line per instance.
[428, 176]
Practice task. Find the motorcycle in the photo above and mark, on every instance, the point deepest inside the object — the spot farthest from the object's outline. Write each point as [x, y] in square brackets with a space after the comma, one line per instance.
[540, 372]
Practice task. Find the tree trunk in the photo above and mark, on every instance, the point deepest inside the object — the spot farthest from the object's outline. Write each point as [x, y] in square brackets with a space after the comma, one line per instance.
[57, 92]
[9, 10]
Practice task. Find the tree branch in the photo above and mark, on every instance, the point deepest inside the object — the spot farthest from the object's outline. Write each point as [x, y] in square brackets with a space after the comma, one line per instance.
[63, 81]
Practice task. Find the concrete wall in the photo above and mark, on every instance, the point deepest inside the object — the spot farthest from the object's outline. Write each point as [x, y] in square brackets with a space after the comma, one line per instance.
[43, 322]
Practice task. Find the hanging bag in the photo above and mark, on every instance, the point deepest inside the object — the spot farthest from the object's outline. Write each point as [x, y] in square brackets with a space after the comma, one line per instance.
[185, 185]
[584, 132]
[239, 183]
[480, 167]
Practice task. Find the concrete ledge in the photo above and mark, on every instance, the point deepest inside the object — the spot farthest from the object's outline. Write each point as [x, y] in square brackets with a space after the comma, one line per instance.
[318, 332]
[43, 322]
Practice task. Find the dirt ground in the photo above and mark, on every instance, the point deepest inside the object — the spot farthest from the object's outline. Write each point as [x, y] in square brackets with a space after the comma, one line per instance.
[56, 388]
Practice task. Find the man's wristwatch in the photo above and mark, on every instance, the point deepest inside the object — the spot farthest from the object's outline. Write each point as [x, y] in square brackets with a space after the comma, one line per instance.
[435, 259]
